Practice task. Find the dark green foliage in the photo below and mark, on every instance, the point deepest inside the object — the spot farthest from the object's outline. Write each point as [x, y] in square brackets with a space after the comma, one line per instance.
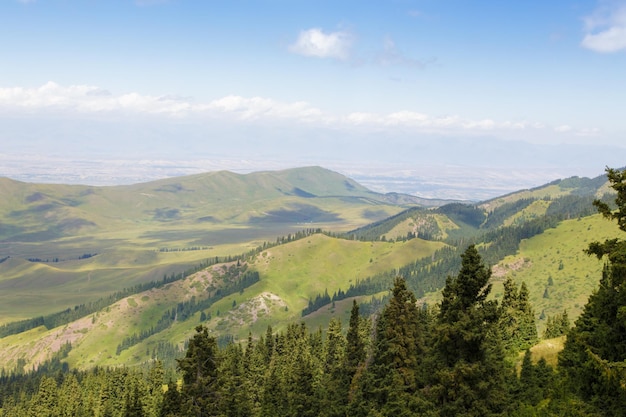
[500, 214]
[464, 213]
[595, 351]
[199, 369]
[571, 206]
[535, 381]
[133, 406]
[470, 368]
[517, 318]
[334, 377]
[556, 326]
[399, 346]
[319, 302]
[355, 346]
[234, 401]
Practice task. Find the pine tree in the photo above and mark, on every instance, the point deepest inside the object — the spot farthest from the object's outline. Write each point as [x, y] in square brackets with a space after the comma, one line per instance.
[233, 398]
[133, 406]
[333, 385]
[199, 369]
[70, 397]
[392, 380]
[255, 369]
[46, 401]
[595, 350]
[517, 318]
[355, 347]
[471, 371]
[154, 397]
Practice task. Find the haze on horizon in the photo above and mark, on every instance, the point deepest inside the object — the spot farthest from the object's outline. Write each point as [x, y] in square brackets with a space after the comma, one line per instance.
[436, 98]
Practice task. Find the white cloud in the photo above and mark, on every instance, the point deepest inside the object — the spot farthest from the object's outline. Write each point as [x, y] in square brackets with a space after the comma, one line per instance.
[256, 108]
[314, 42]
[72, 101]
[90, 99]
[85, 98]
[605, 29]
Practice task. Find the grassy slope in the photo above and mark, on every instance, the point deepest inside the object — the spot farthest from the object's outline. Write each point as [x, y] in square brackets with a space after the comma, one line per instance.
[221, 213]
[551, 191]
[536, 209]
[290, 274]
[539, 258]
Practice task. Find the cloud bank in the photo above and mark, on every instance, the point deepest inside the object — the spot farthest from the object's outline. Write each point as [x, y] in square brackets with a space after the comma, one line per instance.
[76, 100]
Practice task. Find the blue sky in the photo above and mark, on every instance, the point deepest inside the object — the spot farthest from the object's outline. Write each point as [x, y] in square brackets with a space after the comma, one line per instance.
[533, 89]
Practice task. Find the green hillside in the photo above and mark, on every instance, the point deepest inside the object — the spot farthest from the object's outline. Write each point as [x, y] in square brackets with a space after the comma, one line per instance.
[290, 274]
[558, 274]
[146, 232]
[65, 245]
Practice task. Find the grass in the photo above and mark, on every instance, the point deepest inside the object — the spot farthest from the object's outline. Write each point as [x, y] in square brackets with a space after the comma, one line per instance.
[127, 226]
[290, 275]
[535, 209]
[558, 254]
[548, 350]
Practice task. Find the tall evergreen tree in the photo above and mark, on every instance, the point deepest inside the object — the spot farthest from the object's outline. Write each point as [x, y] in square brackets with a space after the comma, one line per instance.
[70, 397]
[45, 402]
[594, 355]
[233, 399]
[471, 370]
[355, 346]
[392, 382]
[199, 369]
[333, 384]
[171, 405]
[517, 318]
[154, 397]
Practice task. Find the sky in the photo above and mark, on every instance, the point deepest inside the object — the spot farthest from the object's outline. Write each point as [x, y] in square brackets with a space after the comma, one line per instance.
[439, 98]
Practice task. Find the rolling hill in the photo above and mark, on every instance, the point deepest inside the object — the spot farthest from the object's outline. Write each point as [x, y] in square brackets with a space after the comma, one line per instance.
[244, 282]
[72, 244]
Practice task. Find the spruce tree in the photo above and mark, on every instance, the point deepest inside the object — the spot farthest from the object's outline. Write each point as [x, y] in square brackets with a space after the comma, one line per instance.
[199, 369]
[517, 318]
[233, 399]
[171, 405]
[470, 367]
[392, 382]
[334, 384]
[355, 347]
[595, 350]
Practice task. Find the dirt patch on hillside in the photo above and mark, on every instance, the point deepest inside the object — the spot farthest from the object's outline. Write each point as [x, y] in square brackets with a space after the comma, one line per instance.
[502, 269]
[44, 347]
[259, 306]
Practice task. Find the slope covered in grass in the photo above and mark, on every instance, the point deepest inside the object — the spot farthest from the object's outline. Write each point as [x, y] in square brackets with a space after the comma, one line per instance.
[84, 242]
[290, 274]
[558, 274]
